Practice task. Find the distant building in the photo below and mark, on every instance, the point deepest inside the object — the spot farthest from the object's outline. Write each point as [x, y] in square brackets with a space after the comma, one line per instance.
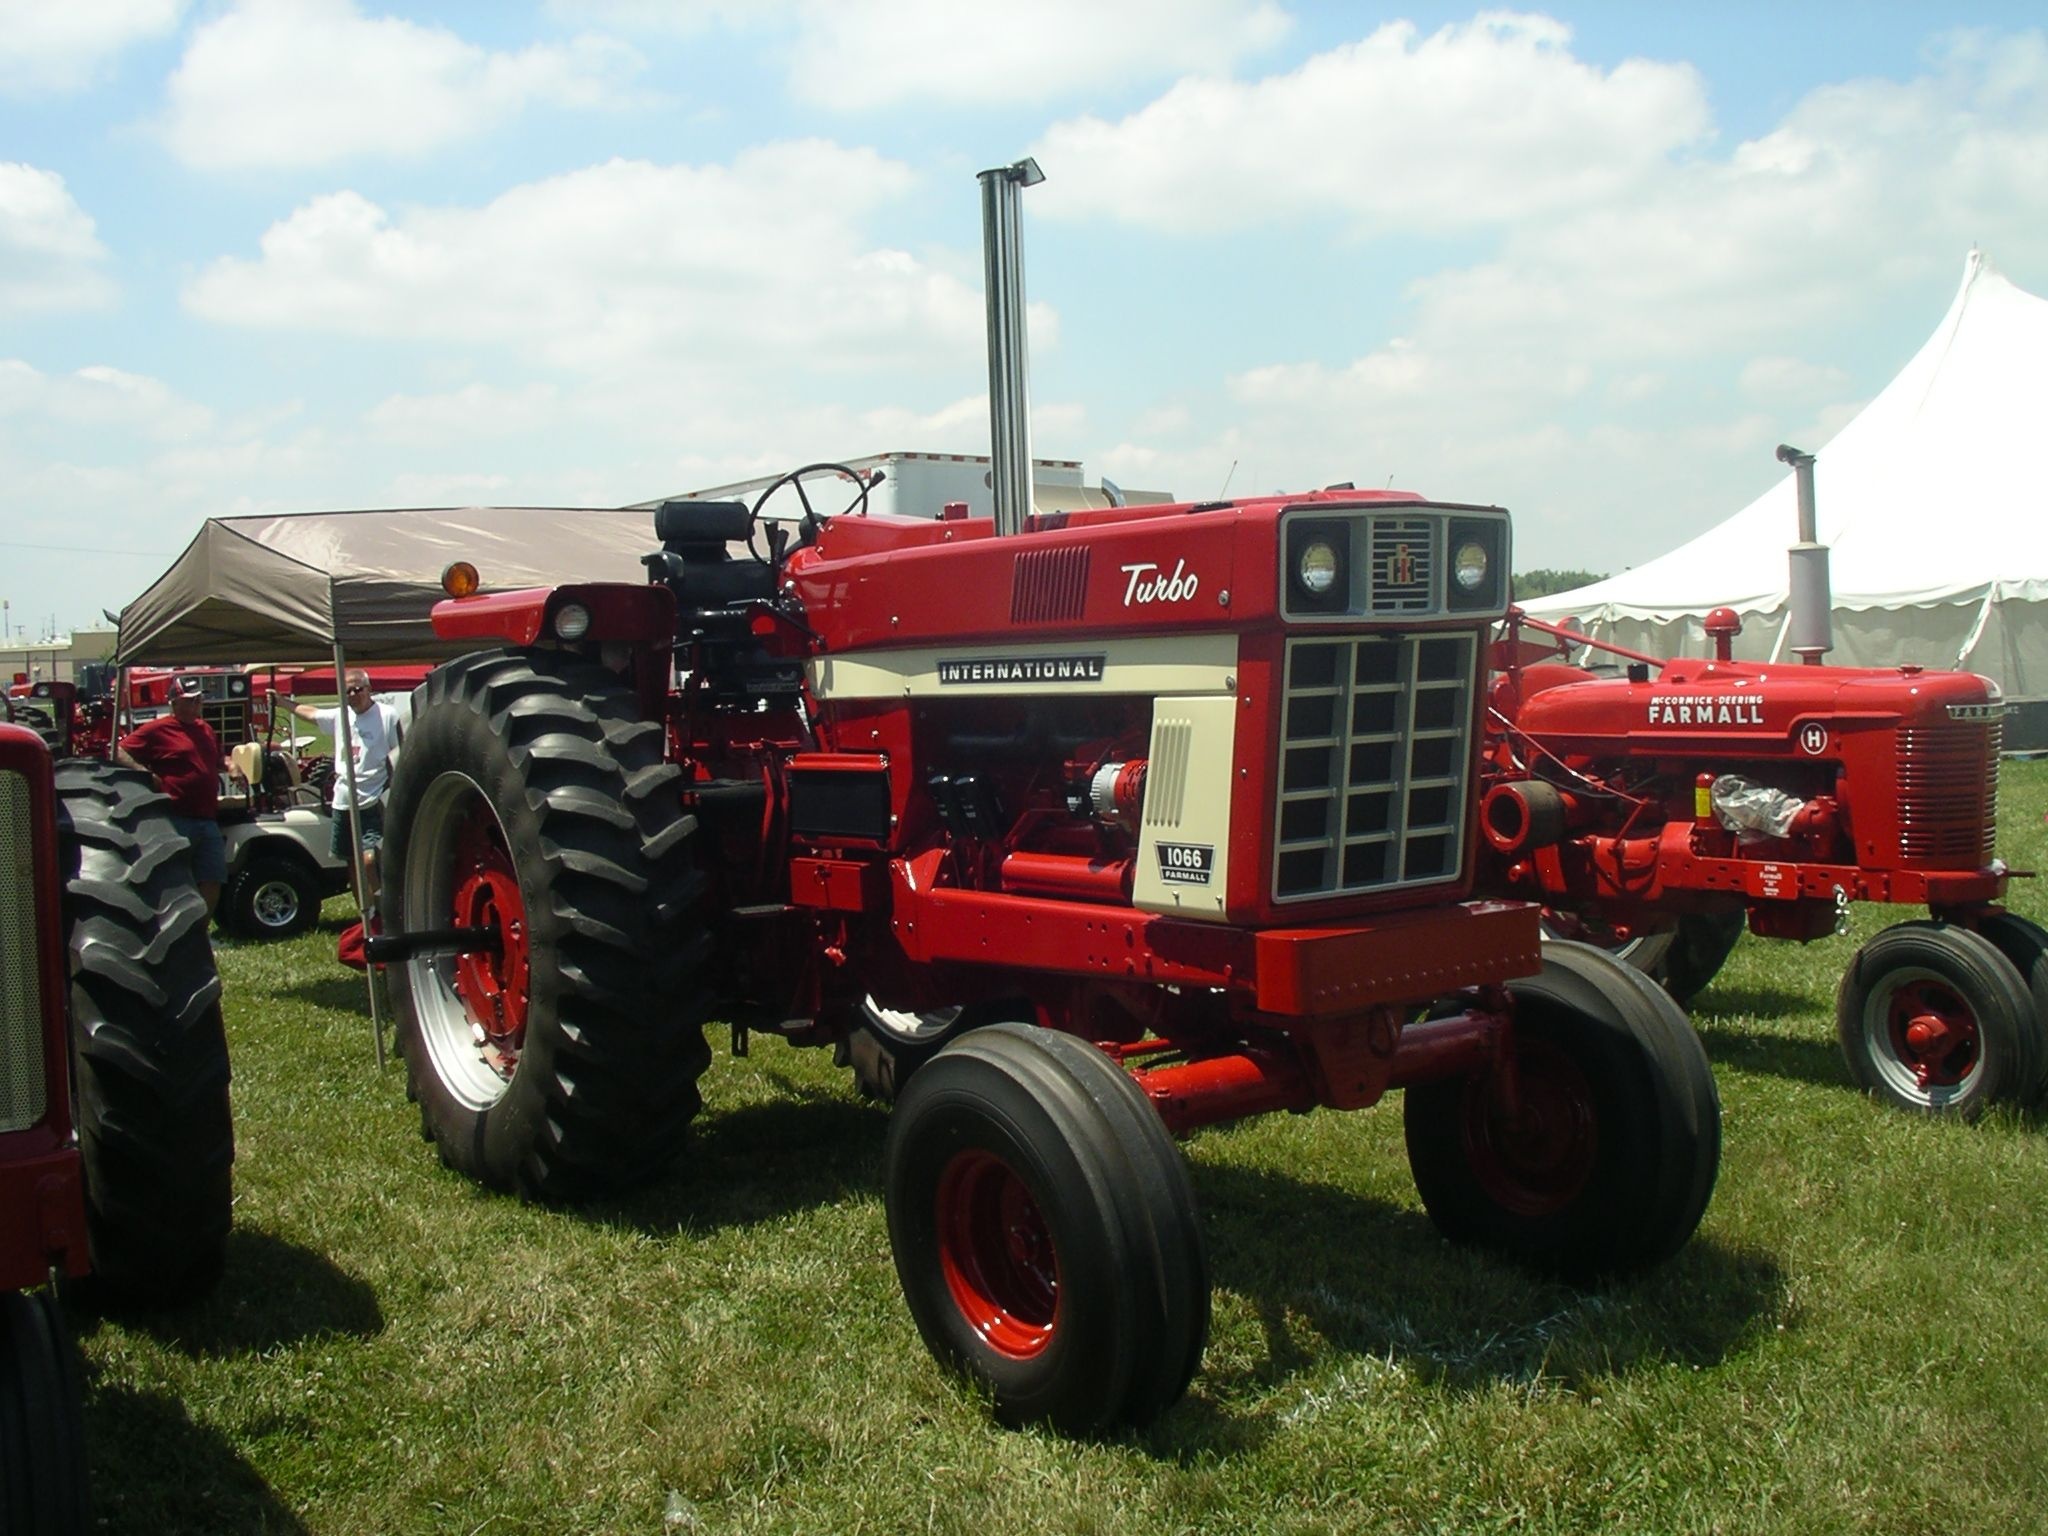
[54, 660]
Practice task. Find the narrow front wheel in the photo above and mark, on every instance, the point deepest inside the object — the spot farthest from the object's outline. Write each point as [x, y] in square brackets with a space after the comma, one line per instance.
[1045, 1230]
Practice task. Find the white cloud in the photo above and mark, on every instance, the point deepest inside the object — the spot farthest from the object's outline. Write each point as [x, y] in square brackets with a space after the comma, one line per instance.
[474, 411]
[721, 273]
[311, 82]
[51, 46]
[1476, 126]
[49, 254]
[855, 55]
[101, 398]
[1619, 362]
[888, 52]
[1778, 379]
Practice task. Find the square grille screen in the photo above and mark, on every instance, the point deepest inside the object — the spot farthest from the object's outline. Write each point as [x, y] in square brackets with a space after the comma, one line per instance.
[1374, 759]
[21, 1014]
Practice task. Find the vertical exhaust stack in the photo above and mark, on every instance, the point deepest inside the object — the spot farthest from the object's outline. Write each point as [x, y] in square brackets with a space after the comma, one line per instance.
[1810, 602]
[1009, 399]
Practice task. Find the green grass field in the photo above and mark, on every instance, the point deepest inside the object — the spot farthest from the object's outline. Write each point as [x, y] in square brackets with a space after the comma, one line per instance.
[1855, 1341]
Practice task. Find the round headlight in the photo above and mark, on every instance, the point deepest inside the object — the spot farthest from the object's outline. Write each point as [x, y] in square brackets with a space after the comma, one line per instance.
[1470, 566]
[572, 621]
[1316, 570]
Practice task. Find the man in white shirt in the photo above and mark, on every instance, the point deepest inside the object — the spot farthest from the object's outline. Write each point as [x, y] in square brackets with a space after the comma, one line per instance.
[370, 737]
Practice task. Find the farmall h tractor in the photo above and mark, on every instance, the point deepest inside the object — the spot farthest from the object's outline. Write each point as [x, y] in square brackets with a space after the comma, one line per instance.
[115, 1141]
[1658, 811]
[1071, 840]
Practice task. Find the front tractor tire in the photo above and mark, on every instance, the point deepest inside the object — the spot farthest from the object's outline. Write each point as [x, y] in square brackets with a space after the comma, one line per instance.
[42, 1432]
[150, 1054]
[1934, 1019]
[1045, 1231]
[1592, 1149]
[532, 802]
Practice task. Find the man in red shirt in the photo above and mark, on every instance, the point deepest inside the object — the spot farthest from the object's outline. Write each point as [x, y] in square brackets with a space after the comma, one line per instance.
[181, 753]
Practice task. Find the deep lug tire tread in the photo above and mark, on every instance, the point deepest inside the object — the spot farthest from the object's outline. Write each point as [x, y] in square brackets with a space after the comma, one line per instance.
[606, 1083]
[149, 1050]
[1113, 1187]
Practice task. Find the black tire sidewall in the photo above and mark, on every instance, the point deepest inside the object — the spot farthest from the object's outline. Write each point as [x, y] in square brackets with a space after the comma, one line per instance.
[449, 737]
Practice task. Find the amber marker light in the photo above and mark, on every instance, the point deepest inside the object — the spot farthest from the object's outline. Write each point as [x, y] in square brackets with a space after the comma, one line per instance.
[460, 579]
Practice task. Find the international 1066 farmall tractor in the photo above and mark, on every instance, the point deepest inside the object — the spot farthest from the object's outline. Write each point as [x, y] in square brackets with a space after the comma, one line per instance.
[116, 1144]
[1069, 840]
[1657, 811]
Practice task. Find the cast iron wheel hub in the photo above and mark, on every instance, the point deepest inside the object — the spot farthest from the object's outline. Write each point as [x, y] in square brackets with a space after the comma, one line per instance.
[492, 986]
[996, 1252]
[1533, 1153]
[1933, 1031]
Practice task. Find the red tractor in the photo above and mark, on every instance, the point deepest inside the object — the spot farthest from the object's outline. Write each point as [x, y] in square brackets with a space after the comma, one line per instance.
[1069, 841]
[1658, 811]
[115, 1139]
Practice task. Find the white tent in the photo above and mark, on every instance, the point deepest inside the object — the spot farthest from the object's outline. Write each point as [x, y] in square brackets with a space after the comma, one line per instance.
[1932, 501]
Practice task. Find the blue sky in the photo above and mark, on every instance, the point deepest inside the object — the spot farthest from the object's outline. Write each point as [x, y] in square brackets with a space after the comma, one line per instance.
[1591, 263]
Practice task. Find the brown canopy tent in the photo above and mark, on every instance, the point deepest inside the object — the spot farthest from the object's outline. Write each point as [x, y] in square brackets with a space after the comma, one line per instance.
[321, 586]
[315, 586]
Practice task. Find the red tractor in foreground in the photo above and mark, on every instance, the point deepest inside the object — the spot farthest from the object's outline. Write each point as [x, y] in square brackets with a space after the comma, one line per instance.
[1069, 841]
[1656, 814]
[115, 1140]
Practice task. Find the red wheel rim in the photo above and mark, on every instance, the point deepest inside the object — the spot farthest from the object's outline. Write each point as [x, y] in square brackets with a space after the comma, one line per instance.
[492, 986]
[1933, 1031]
[1533, 1152]
[996, 1252]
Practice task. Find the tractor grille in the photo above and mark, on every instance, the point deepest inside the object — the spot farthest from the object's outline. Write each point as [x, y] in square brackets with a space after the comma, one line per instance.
[1948, 793]
[1049, 585]
[22, 1089]
[1374, 756]
[1401, 555]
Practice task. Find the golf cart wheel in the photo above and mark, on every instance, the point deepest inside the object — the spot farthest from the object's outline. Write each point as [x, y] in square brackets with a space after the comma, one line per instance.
[1045, 1230]
[1933, 1019]
[271, 897]
[1593, 1149]
[557, 1055]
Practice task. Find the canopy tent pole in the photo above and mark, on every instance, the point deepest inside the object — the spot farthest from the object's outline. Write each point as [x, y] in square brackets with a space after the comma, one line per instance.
[355, 835]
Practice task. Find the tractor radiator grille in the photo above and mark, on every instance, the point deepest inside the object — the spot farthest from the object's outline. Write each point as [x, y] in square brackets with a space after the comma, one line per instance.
[1401, 555]
[22, 1089]
[1049, 585]
[1948, 793]
[1375, 753]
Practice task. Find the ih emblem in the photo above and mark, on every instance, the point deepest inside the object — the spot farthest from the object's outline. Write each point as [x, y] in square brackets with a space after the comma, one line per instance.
[1401, 566]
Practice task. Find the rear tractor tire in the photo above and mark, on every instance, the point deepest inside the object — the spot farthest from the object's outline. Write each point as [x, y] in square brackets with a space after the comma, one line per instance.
[2025, 944]
[533, 802]
[149, 1052]
[1934, 1019]
[1600, 1155]
[1045, 1231]
[1683, 959]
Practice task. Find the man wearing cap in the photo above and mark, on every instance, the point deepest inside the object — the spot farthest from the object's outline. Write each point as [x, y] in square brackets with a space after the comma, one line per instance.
[370, 737]
[181, 753]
